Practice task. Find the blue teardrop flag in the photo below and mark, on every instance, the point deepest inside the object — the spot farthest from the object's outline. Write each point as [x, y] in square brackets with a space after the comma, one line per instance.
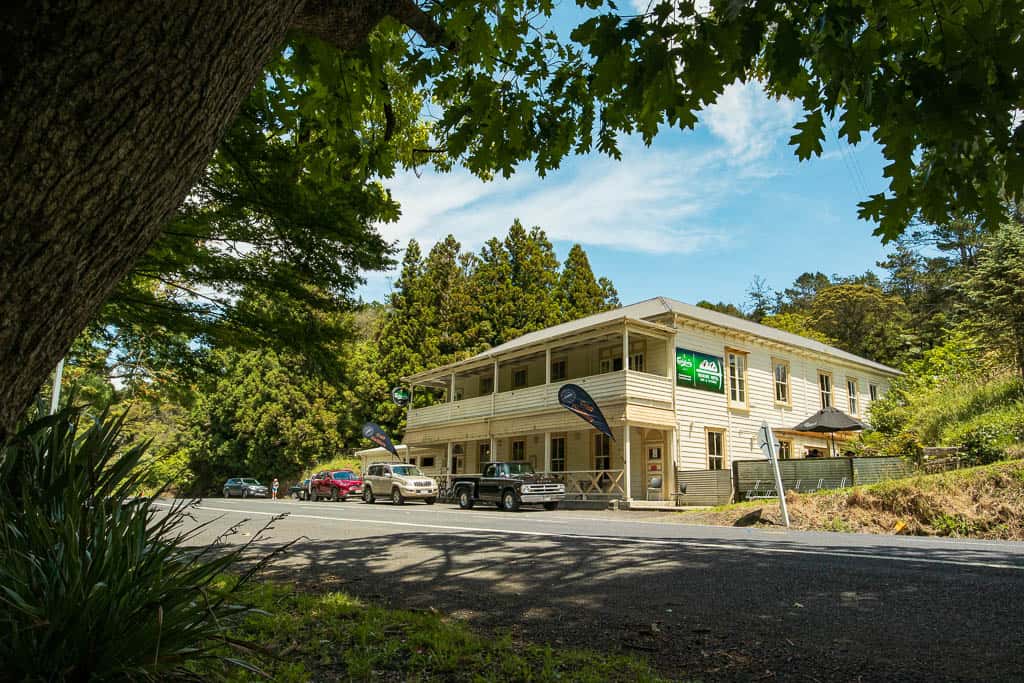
[578, 401]
[378, 436]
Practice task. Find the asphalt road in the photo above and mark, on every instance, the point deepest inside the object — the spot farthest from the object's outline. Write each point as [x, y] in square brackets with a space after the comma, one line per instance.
[701, 602]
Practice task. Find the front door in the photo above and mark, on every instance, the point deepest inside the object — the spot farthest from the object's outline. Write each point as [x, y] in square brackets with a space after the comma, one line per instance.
[654, 472]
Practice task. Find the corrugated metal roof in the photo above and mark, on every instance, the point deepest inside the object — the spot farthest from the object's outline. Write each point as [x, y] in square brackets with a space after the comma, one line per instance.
[659, 306]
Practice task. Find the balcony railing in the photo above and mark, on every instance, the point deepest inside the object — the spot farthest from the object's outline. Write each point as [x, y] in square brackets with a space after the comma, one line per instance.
[621, 385]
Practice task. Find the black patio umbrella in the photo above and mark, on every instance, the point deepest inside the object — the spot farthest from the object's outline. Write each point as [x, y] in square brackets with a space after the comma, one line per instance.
[830, 421]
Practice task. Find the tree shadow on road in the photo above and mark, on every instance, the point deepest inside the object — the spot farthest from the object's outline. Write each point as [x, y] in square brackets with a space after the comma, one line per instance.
[759, 608]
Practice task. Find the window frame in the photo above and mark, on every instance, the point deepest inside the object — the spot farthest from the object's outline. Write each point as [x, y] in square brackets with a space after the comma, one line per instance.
[744, 380]
[424, 459]
[872, 392]
[564, 363]
[606, 448]
[609, 355]
[722, 457]
[521, 444]
[526, 377]
[853, 399]
[831, 390]
[789, 446]
[637, 349]
[788, 403]
[483, 450]
[563, 441]
[486, 385]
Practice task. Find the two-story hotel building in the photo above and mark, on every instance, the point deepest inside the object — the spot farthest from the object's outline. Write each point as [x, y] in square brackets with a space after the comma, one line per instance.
[683, 388]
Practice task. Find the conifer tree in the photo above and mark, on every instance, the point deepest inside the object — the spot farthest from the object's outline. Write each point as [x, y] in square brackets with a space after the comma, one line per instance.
[403, 334]
[492, 289]
[578, 291]
[534, 278]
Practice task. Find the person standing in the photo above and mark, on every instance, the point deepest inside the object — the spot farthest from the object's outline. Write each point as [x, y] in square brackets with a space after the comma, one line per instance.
[273, 489]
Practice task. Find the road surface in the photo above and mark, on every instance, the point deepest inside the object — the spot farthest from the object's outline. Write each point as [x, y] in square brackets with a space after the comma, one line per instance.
[713, 603]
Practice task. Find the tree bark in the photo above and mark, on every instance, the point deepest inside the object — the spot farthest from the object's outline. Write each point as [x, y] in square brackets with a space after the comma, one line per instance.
[109, 109]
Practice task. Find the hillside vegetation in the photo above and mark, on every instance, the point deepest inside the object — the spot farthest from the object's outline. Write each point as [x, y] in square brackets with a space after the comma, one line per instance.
[979, 502]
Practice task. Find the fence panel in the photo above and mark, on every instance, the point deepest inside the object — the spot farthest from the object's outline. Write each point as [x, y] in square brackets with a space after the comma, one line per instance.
[813, 474]
[874, 470]
[705, 487]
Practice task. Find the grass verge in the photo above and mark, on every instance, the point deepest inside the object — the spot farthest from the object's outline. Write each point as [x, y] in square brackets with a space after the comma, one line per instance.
[978, 502]
[332, 636]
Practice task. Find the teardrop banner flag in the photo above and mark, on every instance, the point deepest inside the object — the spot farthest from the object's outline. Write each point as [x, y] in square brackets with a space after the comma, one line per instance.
[378, 436]
[578, 401]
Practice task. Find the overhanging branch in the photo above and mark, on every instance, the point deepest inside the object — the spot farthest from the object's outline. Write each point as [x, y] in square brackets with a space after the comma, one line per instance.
[346, 24]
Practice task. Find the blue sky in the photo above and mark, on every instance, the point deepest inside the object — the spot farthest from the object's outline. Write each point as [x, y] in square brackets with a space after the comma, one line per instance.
[695, 216]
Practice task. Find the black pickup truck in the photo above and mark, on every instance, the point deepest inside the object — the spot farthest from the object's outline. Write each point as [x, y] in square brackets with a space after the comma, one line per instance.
[509, 485]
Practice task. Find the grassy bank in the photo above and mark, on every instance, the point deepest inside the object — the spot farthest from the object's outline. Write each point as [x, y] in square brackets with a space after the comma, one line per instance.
[979, 502]
[331, 636]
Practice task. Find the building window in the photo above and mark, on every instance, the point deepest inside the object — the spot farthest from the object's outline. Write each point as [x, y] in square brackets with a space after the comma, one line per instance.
[851, 391]
[780, 371]
[426, 461]
[519, 450]
[558, 454]
[518, 378]
[484, 452]
[785, 450]
[558, 370]
[716, 449]
[609, 361]
[458, 394]
[873, 392]
[737, 362]
[602, 452]
[486, 385]
[636, 356]
[825, 388]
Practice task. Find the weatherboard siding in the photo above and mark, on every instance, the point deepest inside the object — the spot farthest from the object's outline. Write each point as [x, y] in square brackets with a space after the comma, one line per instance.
[698, 410]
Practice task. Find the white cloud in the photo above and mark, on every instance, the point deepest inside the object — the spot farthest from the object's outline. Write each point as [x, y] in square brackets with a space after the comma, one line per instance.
[649, 202]
[750, 123]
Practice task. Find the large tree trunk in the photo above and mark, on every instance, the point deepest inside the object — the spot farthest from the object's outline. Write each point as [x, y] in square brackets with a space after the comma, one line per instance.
[108, 111]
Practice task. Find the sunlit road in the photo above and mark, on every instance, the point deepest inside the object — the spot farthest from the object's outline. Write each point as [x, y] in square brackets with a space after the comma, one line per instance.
[708, 602]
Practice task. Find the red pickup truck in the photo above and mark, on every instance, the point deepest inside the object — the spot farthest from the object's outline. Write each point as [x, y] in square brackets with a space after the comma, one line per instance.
[335, 485]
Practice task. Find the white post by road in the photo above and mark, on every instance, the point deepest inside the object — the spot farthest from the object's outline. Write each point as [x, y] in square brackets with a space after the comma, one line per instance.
[55, 395]
[768, 448]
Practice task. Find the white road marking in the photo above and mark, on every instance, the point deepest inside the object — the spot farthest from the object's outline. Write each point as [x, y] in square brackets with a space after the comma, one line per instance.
[640, 541]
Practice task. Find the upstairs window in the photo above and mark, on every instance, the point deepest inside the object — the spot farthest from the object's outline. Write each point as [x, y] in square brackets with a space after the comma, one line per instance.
[610, 360]
[851, 392]
[737, 370]
[873, 392]
[780, 372]
[559, 370]
[486, 385]
[519, 378]
[825, 388]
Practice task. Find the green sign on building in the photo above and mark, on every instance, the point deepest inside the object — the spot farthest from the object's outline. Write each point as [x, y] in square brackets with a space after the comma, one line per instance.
[700, 371]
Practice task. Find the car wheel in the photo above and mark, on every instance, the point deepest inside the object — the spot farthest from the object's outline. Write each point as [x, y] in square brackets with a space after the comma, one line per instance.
[302, 495]
[509, 501]
[465, 500]
[245, 493]
[551, 506]
[334, 495]
[312, 496]
[368, 495]
[396, 497]
[430, 501]
[227, 494]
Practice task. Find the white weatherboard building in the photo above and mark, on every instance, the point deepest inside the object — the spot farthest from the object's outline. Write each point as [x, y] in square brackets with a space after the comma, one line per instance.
[682, 387]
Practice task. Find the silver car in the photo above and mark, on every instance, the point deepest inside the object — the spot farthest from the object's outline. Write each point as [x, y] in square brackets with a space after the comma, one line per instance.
[398, 482]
